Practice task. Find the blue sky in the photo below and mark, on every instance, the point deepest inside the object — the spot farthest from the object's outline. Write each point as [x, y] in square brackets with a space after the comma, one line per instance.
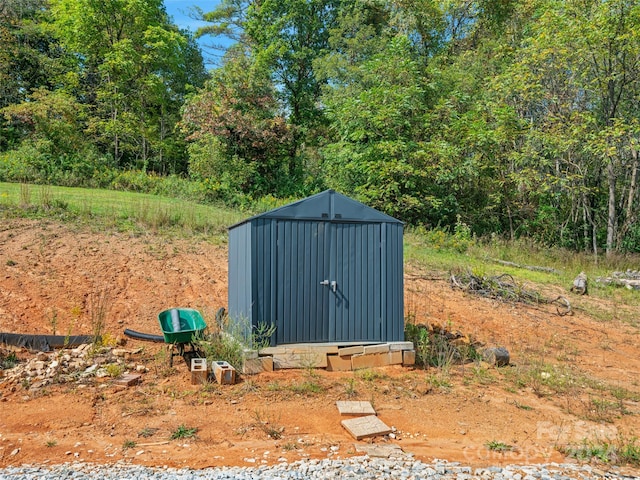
[179, 11]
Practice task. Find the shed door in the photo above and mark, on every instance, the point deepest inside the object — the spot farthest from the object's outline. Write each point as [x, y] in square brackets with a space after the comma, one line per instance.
[329, 282]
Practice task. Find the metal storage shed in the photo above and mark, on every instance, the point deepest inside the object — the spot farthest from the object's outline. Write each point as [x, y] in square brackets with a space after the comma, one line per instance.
[324, 269]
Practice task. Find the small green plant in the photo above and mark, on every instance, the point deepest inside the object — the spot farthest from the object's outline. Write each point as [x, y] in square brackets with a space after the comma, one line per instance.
[522, 406]
[308, 387]
[370, 375]
[8, 361]
[184, 432]
[147, 432]
[114, 370]
[419, 335]
[51, 443]
[11, 263]
[53, 321]
[439, 380]
[350, 388]
[99, 306]
[496, 446]
[128, 444]
[267, 424]
[261, 335]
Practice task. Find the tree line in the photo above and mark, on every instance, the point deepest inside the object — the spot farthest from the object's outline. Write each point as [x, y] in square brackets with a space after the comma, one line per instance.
[511, 117]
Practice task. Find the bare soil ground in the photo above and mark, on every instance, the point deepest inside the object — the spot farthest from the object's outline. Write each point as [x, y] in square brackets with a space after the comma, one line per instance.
[572, 378]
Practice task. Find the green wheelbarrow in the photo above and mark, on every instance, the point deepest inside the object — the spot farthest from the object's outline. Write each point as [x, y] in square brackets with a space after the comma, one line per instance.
[180, 327]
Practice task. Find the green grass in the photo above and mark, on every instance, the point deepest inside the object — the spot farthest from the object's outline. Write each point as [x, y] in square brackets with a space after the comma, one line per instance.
[623, 450]
[496, 446]
[125, 211]
[184, 432]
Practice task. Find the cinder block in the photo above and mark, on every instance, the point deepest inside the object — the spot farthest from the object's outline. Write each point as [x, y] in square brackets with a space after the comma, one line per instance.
[347, 351]
[225, 374]
[369, 361]
[248, 353]
[198, 371]
[336, 363]
[253, 366]
[382, 348]
[395, 357]
[408, 357]
[401, 346]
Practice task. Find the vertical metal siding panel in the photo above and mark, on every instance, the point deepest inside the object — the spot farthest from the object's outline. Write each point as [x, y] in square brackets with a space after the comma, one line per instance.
[399, 229]
[281, 325]
[288, 283]
[272, 287]
[395, 326]
[374, 289]
[305, 276]
[360, 259]
[299, 287]
[330, 253]
[240, 291]
[353, 300]
[342, 332]
[391, 278]
[378, 279]
[324, 240]
[258, 273]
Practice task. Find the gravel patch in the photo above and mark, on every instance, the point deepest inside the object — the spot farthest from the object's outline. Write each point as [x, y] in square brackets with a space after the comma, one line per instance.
[350, 468]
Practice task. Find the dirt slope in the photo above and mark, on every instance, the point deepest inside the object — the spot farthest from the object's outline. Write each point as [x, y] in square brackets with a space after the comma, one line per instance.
[51, 276]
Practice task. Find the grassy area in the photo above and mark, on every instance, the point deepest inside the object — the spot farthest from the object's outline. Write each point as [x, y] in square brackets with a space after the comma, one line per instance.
[552, 274]
[115, 209]
[436, 251]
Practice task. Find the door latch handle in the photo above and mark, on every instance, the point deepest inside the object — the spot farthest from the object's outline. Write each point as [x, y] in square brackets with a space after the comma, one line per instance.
[334, 286]
[324, 282]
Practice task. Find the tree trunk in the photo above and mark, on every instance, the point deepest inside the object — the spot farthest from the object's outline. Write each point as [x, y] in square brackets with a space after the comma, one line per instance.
[611, 214]
[630, 216]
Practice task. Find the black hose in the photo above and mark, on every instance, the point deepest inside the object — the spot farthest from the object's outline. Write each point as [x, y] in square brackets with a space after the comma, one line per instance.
[44, 343]
[143, 336]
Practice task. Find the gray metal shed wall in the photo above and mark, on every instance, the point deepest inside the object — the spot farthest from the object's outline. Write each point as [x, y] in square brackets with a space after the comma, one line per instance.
[276, 266]
[394, 294]
[240, 274]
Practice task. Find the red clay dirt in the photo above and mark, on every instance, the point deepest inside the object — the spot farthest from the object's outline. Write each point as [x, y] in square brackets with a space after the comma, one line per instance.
[50, 274]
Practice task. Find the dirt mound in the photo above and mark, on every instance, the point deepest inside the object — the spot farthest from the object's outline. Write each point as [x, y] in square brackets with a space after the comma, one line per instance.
[571, 377]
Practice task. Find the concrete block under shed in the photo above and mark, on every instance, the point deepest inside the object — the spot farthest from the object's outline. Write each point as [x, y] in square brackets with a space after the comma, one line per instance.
[408, 357]
[401, 346]
[253, 366]
[382, 348]
[336, 363]
[370, 361]
[308, 359]
[348, 351]
[224, 373]
[395, 357]
[199, 371]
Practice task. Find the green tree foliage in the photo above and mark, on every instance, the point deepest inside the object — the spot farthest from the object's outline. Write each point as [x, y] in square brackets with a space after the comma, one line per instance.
[516, 117]
[241, 142]
[135, 69]
[575, 81]
[30, 57]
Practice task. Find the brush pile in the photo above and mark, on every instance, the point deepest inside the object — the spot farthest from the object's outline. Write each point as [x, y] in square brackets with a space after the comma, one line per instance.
[505, 289]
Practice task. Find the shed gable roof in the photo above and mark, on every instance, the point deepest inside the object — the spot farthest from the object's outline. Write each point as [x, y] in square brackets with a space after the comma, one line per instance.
[326, 206]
